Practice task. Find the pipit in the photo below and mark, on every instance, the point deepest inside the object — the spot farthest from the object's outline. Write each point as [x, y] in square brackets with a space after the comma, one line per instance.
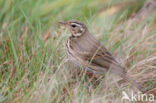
[86, 51]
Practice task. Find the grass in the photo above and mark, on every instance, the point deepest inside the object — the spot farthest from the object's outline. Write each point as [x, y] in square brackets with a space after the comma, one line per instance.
[33, 62]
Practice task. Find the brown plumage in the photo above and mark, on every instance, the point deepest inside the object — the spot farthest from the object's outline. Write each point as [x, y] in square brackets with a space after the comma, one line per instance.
[86, 51]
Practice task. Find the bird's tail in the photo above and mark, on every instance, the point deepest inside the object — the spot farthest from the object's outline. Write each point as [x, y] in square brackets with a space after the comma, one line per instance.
[133, 82]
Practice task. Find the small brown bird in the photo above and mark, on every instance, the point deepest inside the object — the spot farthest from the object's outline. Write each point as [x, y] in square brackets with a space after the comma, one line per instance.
[86, 51]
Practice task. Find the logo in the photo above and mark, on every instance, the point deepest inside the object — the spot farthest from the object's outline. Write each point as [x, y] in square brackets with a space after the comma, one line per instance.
[137, 97]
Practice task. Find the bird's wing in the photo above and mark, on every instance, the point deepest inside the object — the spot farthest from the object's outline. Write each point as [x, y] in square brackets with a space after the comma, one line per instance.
[103, 59]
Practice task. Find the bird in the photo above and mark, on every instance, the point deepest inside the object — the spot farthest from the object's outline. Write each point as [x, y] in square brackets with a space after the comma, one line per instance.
[84, 50]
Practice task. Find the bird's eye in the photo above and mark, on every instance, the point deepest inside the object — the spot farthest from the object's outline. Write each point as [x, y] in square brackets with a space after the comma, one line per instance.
[73, 25]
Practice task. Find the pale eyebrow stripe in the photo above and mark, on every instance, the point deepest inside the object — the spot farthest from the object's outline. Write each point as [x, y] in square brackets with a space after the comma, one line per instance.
[76, 24]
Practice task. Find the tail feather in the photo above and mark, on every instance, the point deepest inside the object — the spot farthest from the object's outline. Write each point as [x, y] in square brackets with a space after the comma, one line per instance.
[121, 71]
[133, 82]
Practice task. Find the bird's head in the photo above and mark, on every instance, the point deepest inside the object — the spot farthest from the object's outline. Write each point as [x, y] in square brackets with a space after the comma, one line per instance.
[76, 27]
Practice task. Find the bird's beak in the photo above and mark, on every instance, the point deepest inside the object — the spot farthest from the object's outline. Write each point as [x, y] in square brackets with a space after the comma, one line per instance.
[63, 23]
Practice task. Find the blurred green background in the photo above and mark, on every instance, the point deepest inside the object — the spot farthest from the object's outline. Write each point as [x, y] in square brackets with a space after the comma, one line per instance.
[32, 44]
